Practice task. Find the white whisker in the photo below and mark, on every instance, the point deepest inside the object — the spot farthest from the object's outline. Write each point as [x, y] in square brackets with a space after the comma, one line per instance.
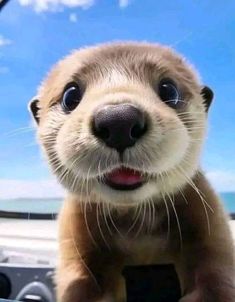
[142, 221]
[99, 226]
[105, 218]
[177, 220]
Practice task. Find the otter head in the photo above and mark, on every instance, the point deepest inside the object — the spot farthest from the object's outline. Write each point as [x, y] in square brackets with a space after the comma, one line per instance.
[122, 123]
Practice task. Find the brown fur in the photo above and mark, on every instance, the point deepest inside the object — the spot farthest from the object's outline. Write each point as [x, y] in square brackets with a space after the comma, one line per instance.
[182, 222]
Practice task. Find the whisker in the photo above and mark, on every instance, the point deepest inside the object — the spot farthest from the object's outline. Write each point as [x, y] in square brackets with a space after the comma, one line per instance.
[154, 213]
[99, 226]
[177, 220]
[181, 192]
[112, 221]
[142, 221]
[87, 187]
[175, 101]
[168, 218]
[87, 226]
[105, 218]
[149, 224]
[18, 131]
[192, 184]
[135, 218]
[203, 201]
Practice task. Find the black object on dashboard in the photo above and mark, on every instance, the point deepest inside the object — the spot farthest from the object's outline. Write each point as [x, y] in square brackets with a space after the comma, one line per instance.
[152, 283]
[5, 286]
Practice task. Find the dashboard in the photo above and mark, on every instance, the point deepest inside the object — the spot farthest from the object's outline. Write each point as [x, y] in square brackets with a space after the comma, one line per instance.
[28, 256]
[29, 283]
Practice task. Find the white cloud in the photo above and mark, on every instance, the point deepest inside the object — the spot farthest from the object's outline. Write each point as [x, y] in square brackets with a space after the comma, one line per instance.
[73, 18]
[10, 188]
[222, 181]
[4, 41]
[124, 3]
[55, 5]
[58, 5]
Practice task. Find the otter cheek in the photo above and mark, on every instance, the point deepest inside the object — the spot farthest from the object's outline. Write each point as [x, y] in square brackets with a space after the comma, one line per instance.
[172, 149]
[63, 146]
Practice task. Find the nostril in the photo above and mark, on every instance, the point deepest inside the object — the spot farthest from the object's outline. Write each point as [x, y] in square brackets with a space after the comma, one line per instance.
[137, 131]
[102, 132]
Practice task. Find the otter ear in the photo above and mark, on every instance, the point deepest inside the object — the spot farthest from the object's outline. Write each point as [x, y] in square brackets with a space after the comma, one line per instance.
[207, 95]
[33, 108]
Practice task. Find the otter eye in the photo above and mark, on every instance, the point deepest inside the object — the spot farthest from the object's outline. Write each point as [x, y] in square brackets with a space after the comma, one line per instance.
[71, 98]
[169, 93]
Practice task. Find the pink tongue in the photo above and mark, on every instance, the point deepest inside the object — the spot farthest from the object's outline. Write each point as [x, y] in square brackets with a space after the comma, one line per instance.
[124, 176]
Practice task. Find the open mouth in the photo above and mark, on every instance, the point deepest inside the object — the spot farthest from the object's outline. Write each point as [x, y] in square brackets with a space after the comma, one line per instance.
[124, 179]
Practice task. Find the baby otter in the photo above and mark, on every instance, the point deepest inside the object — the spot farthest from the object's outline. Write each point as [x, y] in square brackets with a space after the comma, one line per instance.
[122, 126]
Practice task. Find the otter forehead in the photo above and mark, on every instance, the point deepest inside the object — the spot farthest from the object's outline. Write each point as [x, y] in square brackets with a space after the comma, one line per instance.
[133, 61]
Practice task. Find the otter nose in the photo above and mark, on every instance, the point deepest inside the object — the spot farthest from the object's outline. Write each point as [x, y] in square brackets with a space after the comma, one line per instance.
[119, 126]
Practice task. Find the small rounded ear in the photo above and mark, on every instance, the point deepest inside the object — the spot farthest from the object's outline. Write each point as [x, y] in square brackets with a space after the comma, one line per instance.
[207, 95]
[33, 108]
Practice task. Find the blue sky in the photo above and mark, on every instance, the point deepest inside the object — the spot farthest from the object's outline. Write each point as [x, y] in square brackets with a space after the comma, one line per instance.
[34, 34]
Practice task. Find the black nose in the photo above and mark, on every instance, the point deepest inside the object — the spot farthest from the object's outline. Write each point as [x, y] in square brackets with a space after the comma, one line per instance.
[119, 126]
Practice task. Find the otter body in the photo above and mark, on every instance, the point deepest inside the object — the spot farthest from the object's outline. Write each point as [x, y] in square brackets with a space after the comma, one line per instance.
[122, 126]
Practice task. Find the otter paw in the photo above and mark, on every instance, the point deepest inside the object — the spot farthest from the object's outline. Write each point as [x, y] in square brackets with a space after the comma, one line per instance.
[195, 296]
[106, 298]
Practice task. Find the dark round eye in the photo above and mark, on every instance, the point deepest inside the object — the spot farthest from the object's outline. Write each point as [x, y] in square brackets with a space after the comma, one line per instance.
[71, 98]
[169, 93]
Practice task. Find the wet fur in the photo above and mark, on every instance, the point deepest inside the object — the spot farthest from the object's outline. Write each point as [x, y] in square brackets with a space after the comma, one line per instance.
[176, 217]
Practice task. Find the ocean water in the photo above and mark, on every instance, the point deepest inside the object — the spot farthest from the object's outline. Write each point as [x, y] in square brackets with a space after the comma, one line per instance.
[228, 199]
[52, 205]
[31, 205]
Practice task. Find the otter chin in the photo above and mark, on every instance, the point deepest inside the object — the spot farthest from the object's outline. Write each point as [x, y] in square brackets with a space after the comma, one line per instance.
[122, 126]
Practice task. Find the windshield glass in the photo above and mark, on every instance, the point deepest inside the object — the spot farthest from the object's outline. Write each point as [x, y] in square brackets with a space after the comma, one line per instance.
[35, 34]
